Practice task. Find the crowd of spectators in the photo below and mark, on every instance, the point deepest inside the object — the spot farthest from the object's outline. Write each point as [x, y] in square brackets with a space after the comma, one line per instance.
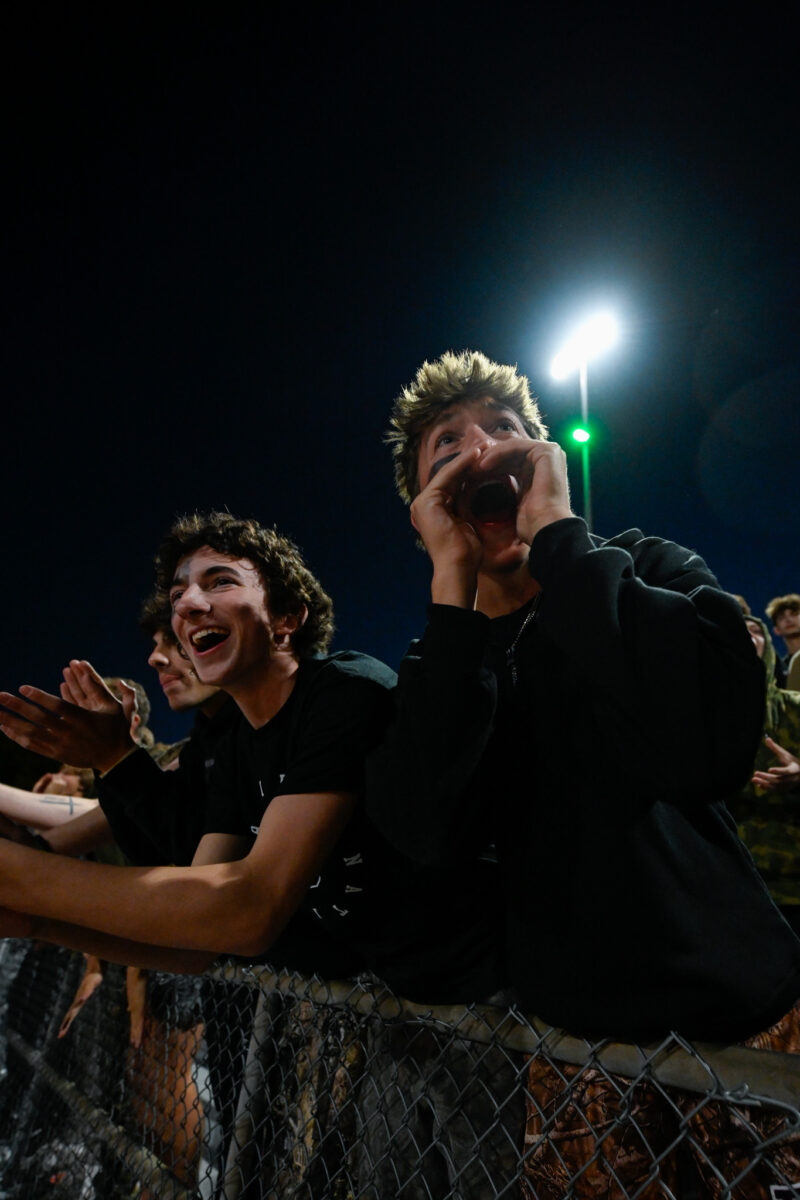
[321, 808]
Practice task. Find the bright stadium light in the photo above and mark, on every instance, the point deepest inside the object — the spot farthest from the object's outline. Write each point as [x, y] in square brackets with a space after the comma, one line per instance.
[590, 339]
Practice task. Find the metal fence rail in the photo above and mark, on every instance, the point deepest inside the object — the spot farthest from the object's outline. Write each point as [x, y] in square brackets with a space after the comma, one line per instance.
[253, 1083]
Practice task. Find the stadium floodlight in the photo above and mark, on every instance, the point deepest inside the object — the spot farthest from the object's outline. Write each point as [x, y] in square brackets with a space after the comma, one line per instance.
[590, 339]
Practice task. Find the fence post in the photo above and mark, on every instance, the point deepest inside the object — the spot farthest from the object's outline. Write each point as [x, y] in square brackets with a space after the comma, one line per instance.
[243, 1148]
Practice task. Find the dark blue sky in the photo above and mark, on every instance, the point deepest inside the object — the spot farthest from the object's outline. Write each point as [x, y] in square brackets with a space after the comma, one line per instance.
[230, 238]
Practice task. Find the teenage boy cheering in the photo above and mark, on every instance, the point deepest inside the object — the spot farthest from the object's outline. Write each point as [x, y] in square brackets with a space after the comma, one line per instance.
[588, 706]
[285, 827]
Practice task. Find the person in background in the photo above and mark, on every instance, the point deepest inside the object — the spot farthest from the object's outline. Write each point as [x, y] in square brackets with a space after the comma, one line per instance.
[784, 613]
[65, 793]
[767, 810]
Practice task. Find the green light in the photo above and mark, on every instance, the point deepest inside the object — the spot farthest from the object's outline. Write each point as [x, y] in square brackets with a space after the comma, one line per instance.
[581, 435]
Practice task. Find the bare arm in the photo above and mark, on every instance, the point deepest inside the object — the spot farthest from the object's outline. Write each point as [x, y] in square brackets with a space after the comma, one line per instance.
[94, 943]
[102, 945]
[82, 834]
[41, 811]
[239, 907]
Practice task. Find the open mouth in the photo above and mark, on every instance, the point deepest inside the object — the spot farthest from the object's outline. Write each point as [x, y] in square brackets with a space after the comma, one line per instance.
[206, 640]
[495, 501]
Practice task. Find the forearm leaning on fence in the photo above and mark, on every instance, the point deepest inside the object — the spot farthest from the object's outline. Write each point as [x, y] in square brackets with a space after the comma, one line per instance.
[121, 950]
[158, 906]
[236, 906]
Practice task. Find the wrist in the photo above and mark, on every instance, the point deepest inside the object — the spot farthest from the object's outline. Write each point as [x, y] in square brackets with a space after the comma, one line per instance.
[548, 517]
[453, 586]
[111, 760]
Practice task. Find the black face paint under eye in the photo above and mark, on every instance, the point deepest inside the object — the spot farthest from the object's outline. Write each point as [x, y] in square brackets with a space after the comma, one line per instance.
[442, 462]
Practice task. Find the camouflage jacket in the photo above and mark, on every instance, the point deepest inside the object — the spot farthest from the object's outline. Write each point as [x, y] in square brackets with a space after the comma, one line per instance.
[769, 822]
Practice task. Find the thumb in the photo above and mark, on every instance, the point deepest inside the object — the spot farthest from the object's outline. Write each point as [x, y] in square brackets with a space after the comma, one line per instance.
[130, 706]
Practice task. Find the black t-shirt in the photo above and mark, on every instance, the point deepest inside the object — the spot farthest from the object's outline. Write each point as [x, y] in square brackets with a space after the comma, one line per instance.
[158, 817]
[428, 935]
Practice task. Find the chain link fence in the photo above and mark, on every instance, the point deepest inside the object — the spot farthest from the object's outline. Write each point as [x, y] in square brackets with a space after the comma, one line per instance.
[253, 1083]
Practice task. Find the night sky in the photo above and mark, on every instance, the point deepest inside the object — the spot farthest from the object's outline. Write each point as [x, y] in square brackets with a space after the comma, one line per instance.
[229, 238]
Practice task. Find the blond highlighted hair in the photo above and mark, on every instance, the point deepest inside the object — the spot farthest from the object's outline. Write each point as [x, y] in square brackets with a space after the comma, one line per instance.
[453, 379]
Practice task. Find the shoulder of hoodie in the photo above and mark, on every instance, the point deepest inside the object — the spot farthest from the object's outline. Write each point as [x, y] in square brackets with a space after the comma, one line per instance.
[661, 562]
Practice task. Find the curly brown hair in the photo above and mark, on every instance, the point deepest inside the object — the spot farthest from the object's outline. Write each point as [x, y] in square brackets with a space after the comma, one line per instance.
[453, 379]
[288, 582]
[156, 616]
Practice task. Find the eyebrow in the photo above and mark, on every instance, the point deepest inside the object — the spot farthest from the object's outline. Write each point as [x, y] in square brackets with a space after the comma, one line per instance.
[449, 413]
[209, 573]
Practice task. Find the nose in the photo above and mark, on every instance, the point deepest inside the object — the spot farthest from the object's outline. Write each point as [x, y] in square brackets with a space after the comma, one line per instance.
[157, 659]
[476, 435]
[192, 600]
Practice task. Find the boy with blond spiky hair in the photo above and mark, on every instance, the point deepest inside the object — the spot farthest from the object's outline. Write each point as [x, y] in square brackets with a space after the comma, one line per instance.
[588, 705]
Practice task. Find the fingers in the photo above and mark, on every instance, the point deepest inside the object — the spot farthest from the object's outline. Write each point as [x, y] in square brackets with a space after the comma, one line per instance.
[21, 707]
[68, 693]
[136, 988]
[446, 535]
[41, 726]
[448, 480]
[777, 779]
[86, 988]
[511, 453]
[84, 682]
[88, 679]
[44, 700]
[782, 755]
[88, 688]
[72, 686]
[25, 724]
[29, 736]
[545, 489]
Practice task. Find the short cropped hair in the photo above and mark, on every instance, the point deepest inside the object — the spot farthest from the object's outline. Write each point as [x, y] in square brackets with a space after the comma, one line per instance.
[453, 379]
[779, 604]
[288, 582]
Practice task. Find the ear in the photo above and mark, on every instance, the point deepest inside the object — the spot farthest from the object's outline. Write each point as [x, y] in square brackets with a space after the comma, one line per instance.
[288, 624]
[129, 707]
